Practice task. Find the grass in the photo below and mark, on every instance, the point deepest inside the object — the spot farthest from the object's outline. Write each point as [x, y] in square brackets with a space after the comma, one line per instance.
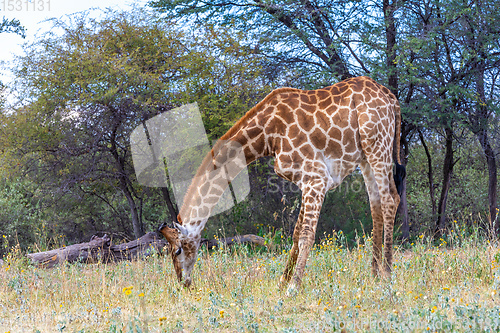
[448, 287]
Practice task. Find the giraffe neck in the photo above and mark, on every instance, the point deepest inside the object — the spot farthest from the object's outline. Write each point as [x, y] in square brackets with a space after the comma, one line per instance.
[249, 139]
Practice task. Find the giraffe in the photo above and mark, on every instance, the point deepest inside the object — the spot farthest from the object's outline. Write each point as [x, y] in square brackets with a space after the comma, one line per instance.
[317, 138]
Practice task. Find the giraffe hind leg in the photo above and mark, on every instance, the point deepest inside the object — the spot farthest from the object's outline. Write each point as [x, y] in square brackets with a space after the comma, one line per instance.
[377, 216]
[390, 209]
[383, 203]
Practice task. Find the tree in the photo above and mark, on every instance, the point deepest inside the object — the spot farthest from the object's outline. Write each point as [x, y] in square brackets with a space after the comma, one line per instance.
[480, 32]
[87, 89]
[446, 74]
[311, 34]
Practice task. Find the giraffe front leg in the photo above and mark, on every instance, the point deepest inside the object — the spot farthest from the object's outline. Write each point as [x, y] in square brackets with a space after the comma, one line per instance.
[312, 201]
[305, 244]
[294, 253]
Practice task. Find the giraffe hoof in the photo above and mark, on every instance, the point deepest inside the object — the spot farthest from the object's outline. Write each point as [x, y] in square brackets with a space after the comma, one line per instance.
[292, 290]
[282, 284]
[385, 274]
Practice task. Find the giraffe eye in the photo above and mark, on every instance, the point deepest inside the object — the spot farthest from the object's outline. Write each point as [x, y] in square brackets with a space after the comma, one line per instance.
[178, 252]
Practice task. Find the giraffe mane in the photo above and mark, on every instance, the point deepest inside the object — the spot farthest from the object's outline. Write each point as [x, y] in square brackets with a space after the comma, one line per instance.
[208, 159]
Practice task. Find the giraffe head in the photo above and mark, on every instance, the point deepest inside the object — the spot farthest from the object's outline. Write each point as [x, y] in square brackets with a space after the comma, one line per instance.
[184, 248]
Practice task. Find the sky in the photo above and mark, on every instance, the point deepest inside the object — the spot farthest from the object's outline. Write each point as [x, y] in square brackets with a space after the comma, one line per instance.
[33, 13]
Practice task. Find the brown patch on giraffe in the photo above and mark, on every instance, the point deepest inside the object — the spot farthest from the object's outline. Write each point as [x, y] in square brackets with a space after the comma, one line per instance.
[341, 118]
[308, 108]
[385, 122]
[322, 120]
[335, 90]
[202, 212]
[305, 177]
[335, 133]
[357, 86]
[204, 189]
[259, 144]
[375, 104]
[292, 101]
[274, 101]
[287, 116]
[249, 155]
[353, 122]
[283, 108]
[296, 156]
[293, 131]
[307, 151]
[285, 160]
[308, 99]
[363, 119]
[305, 120]
[333, 149]
[331, 110]
[337, 100]
[274, 142]
[285, 145]
[243, 140]
[323, 94]
[325, 103]
[342, 86]
[318, 139]
[348, 141]
[299, 139]
[279, 127]
[253, 132]
[212, 200]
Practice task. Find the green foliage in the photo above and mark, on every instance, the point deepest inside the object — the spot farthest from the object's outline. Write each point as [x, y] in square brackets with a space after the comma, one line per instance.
[65, 152]
[468, 198]
[87, 88]
[12, 26]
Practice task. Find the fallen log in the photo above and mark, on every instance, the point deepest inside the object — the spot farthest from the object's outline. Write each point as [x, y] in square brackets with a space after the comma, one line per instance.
[212, 243]
[102, 249]
[79, 252]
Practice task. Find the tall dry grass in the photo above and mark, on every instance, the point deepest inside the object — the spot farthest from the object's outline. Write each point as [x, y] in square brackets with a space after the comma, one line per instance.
[447, 287]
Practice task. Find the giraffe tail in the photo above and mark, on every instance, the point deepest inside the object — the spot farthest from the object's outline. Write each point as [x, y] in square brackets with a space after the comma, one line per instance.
[399, 176]
[400, 172]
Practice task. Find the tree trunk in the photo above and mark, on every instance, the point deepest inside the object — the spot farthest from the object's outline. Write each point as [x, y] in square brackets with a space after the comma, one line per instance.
[136, 222]
[492, 181]
[406, 129]
[403, 212]
[480, 128]
[430, 174]
[447, 172]
[479, 41]
[124, 183]
[393, 84]
[390, 34]
[171, 208]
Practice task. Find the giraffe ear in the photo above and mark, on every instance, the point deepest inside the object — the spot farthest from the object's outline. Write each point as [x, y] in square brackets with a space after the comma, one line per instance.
[182, 229]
